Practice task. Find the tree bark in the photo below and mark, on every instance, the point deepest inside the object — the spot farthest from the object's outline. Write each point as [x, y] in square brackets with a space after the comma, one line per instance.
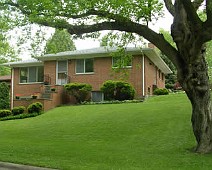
[193, 73]
[195, 82]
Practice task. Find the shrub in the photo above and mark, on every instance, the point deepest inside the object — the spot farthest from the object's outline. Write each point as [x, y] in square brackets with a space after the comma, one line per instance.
[161, 91]
[108, 88]
[4, 113]
[117, 90]
[4, 96]
[18, 110]
[36, 107]
[124, 91]
[80, 91]
[169, 86]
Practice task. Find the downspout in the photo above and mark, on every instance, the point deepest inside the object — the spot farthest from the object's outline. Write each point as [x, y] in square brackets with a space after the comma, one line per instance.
[12, 89]
[143, 74]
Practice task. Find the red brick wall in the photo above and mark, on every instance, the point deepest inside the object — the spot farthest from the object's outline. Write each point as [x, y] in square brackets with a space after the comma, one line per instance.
[152, 77]
[103, 71]
[57, 98]
[50, 70]
[25, 89]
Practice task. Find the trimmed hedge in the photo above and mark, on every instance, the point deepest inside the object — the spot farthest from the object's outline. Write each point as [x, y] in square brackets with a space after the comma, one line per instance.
[36, 107]
[5, 113]
[117, 90]
[161, 91]
[18, 110]
[21, 116]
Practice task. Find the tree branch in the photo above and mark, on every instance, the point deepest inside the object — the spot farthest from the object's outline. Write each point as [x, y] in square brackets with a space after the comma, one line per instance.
[95, 12]
[132, 27]
[191, 13]
[170, 6]
[120, 23]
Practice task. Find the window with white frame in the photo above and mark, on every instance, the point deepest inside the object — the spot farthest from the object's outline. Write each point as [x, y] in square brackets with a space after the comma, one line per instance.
[31, 74]
[122, 62]
[84, 66]
[62, 72]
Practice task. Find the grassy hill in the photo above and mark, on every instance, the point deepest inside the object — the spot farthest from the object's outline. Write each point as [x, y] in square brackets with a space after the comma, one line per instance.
[155, 134]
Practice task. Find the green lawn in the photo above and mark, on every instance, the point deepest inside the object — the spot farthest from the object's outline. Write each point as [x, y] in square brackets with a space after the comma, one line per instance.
[155, 134]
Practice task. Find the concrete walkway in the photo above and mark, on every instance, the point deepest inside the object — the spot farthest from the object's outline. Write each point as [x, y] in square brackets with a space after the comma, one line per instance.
[12, 166]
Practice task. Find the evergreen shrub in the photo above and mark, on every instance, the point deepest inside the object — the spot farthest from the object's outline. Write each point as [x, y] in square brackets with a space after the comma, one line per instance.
[117, 90]
[36, 107]
[18, 110]
[5, 113]
[163, 91]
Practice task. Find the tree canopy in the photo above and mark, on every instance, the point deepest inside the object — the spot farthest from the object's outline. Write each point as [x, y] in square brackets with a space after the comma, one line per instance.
[188, 31]
[7, 53]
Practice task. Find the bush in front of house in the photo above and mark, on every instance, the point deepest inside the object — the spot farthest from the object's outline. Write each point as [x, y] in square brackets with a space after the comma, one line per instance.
[4, 96]
[5, 113]
[80, 91]
[36, 107]
[18, 110]
[108, 88]
[124, 91]
[169, 86]
[163, 91]
[117, 90]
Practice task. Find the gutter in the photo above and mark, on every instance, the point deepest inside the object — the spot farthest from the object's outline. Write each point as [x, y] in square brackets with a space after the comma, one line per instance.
[143, 74]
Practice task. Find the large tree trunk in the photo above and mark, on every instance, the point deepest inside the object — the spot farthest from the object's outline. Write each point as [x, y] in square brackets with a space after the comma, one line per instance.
[195, 81]
[193, 75]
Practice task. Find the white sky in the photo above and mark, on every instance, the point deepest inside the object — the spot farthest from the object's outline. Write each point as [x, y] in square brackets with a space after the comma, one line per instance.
[87, 43]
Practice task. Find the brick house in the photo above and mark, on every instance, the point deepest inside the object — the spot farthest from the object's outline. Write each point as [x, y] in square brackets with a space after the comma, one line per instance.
[41, 75]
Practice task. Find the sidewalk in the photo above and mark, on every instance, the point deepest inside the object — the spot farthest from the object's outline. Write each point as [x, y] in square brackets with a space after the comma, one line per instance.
[11, 166]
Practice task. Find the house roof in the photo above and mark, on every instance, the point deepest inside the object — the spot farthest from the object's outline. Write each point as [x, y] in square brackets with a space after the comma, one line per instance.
[24, 63]
[105, 52]
[5, 78]
[94, 52]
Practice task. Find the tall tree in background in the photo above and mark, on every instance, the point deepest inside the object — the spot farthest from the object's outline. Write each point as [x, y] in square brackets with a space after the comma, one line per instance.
[188, 31]
[7, 53]
[59, 42]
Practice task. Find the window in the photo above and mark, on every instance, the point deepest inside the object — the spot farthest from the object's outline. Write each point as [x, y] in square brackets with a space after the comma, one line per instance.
[84, 66]
[62, 70]
[31, 74]
[122, 62]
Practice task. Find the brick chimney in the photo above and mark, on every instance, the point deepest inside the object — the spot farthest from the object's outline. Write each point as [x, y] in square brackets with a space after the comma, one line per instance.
[150, 45]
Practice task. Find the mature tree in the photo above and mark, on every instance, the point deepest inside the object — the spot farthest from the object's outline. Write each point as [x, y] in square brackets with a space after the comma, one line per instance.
[7, 53]
[59, 42]
[188, 31]
[209, 59]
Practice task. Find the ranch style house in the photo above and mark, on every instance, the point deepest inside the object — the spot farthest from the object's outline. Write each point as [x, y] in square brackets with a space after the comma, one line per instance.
[42, 79]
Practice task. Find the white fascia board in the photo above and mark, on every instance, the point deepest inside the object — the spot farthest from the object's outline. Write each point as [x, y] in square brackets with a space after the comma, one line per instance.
[157, 60]
[24, 63]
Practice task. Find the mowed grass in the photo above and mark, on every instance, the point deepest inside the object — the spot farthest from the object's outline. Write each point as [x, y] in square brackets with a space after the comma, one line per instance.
[155, 134]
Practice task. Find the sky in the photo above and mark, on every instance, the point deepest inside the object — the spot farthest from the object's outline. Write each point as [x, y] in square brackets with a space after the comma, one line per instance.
[164, 23]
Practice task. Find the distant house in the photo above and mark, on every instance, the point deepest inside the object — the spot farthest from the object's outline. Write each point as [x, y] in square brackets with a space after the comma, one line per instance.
[6, 79]
[38, 76]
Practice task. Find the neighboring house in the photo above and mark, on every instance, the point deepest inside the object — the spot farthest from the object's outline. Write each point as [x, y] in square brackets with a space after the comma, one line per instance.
[6, 79]
[94, 66]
